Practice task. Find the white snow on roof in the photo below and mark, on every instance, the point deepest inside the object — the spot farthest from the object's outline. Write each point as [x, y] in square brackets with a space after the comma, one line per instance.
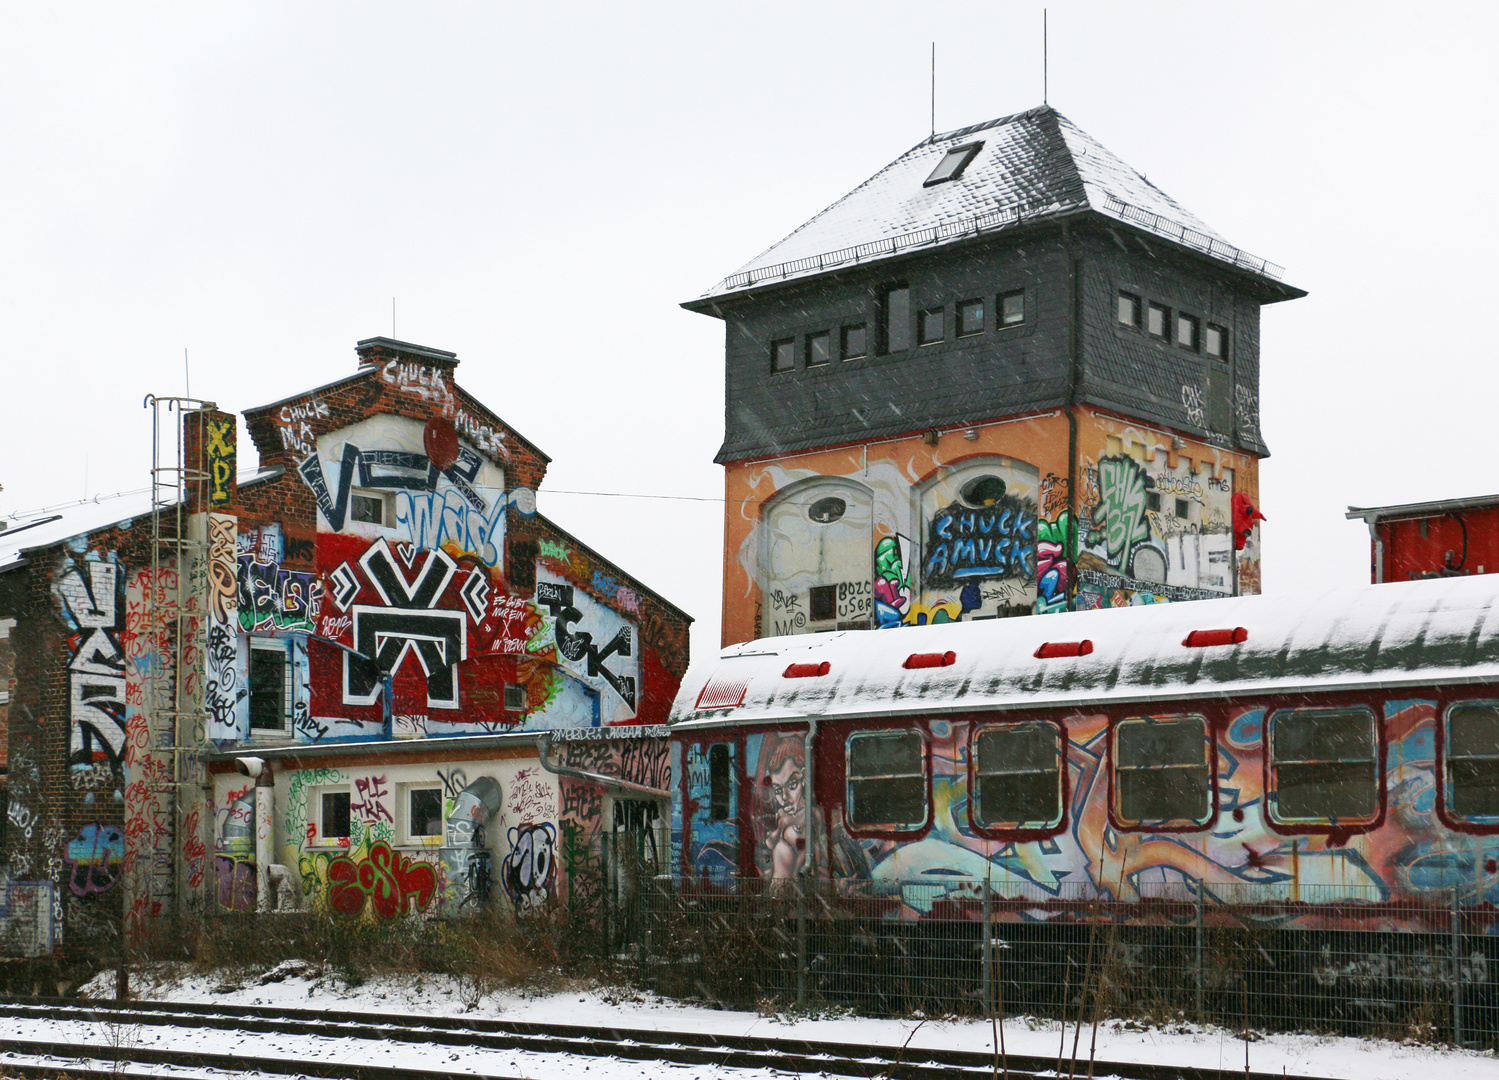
[31, 529]
[1407, 633]
[43, 528]
[1032, 164]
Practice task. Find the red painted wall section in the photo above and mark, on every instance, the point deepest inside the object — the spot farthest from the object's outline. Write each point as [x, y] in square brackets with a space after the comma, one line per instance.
[1419, 547]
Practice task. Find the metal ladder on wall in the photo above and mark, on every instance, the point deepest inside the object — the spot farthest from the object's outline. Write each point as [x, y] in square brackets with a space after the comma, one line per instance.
[174, 603]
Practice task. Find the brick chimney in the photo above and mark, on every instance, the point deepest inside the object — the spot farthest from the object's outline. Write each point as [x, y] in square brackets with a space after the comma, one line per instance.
[378, 351]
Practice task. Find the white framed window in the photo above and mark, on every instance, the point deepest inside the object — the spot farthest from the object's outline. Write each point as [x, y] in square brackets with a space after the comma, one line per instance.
[370, 507]
[330, 811]
[421, 810]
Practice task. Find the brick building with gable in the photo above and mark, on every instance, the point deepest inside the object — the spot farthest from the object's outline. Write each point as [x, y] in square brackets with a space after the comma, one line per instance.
[374, 650]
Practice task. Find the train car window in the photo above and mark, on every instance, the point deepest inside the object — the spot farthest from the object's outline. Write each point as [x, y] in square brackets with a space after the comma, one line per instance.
[720, 781]
[886, 780]
[1161, 770]
[1017, 776]
[1472, 788]
[1323, 765]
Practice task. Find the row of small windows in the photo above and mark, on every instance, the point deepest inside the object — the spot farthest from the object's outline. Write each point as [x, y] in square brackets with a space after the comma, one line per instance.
[968, 318]
[1323, 770]
[1189, 331]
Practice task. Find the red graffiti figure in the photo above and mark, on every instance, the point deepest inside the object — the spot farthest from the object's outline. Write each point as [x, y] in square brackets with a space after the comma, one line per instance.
[388, 880]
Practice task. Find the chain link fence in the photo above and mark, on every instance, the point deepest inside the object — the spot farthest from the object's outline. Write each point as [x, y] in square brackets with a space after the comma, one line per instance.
[1323, 959]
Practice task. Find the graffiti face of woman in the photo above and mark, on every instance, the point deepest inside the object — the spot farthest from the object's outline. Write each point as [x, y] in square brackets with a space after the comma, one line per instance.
[786, 791]
[787, 794]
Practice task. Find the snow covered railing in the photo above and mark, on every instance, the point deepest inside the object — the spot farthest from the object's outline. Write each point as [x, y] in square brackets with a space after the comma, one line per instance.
[1209, 245]
[890, 245]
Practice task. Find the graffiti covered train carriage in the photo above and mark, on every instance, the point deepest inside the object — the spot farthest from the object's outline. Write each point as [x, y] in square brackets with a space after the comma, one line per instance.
[1331, 757]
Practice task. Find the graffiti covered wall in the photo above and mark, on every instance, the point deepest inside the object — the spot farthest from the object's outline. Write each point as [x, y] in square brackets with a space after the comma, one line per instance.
[907, 532]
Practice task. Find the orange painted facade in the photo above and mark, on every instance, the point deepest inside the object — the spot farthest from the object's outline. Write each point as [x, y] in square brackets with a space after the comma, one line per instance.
[974, 524]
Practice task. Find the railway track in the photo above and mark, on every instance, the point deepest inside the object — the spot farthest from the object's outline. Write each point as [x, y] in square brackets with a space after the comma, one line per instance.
[117, 1054]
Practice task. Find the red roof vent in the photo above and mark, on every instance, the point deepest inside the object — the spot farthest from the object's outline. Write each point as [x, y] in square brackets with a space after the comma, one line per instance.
[1227, 636]
[930, 659]
[806, 671]
[723, 692]
[1050, 649]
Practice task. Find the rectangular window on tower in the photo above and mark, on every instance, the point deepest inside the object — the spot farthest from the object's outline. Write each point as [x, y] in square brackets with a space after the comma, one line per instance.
[1215, 342]
[970, 318]
[854, 345]
[818, 346]
[783, 354]
[931, 325]
[1012, 308]
[1187, 331]
[1158, 322]
[1129, 310]
[895, 319]
[823, 603]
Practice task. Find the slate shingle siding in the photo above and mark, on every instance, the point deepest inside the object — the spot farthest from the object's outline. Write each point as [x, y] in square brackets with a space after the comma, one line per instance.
[1001, 372]
[1130, 372]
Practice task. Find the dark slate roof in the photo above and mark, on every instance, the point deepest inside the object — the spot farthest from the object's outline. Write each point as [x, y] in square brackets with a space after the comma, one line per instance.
[1034, 165]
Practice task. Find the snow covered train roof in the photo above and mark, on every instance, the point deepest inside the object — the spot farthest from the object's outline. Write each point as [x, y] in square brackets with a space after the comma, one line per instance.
[1405, 633]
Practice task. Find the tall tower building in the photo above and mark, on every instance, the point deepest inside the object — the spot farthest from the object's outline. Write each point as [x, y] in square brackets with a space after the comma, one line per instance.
[1007, 374]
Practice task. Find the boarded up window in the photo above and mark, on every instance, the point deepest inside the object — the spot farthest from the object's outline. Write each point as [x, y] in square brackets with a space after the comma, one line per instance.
[886, 780]
[1473, 761]
[1323, 765]
[1017, 776]
[1161, 770]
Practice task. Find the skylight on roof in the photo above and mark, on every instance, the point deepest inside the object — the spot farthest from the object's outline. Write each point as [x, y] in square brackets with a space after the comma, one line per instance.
[951, 167]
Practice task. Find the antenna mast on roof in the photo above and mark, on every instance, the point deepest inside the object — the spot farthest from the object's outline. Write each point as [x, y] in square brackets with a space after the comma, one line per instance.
[1045, 60]
[934, 89]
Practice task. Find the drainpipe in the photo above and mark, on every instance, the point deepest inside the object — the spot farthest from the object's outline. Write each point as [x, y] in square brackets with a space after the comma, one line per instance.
[265, 808]
[544, 750]
[1378, 551]
[1074, 369]
[809, 868]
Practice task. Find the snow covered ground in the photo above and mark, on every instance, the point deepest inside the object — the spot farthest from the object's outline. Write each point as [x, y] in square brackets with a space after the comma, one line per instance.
[1354, 1059]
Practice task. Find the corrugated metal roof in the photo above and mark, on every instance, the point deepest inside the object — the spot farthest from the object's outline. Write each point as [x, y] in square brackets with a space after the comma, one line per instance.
[1033, 164]
[1406, 633]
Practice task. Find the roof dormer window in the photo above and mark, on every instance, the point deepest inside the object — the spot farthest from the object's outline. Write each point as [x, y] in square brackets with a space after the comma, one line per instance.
[951, 167]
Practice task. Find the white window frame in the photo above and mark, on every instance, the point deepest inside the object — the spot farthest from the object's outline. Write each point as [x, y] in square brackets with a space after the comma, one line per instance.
[315, 815]
[403, 812]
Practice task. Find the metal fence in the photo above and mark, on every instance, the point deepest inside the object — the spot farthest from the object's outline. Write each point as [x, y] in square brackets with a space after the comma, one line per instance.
[1320, 959]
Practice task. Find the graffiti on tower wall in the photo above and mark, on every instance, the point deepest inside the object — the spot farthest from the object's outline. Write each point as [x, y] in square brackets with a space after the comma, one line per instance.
[905, 533]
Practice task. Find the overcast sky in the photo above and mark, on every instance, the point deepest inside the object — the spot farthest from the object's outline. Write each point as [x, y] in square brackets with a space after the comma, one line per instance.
[540, 185]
